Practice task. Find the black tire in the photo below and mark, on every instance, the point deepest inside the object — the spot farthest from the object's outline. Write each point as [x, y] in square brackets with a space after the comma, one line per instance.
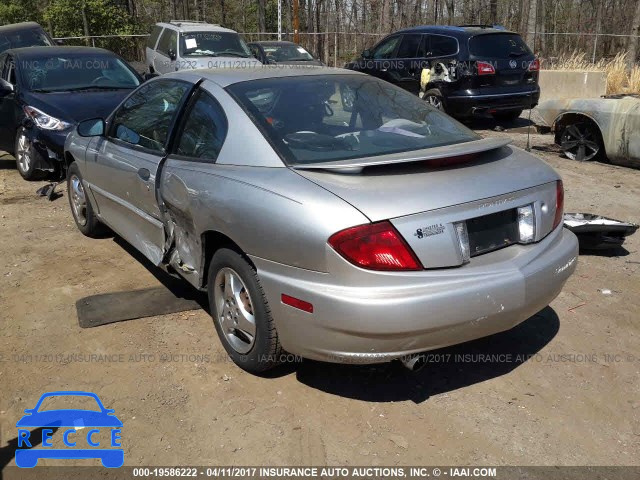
[265, 352]
[581, 141]
[25, 155]
[89, 225]
[509, 116]
[435, 98]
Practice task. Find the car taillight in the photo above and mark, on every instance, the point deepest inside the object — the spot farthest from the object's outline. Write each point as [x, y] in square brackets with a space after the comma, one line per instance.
[485, 68]
[559, 204]
[534, 66]
[375, 246]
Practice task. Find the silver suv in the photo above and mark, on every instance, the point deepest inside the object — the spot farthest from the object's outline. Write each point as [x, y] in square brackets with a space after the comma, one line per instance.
[188, 44]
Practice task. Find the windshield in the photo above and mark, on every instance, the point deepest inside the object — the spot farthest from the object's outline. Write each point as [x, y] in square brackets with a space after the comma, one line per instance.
[213, 44]
[325, 118]
[76, 72]
[24, 38]
[286, 53]
[498, 45]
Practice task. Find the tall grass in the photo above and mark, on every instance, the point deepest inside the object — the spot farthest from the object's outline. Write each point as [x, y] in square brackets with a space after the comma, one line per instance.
[620, 79]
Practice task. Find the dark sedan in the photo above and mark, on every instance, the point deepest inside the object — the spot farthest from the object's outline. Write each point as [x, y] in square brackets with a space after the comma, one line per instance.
[282, 53]
[25, 34]
[45, 91]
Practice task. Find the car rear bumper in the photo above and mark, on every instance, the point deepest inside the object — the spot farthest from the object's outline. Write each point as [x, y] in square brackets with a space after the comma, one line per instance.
[417, 311]
[461, 104]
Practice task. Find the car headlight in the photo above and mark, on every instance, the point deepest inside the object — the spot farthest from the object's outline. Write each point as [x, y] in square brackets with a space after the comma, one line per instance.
[44, 121]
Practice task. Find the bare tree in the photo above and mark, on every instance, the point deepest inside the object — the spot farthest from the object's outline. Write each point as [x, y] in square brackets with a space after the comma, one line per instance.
[632, 44]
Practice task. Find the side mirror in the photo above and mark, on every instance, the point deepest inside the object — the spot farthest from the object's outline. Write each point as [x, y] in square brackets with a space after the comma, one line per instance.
[172, 54]
[59, 42]
[93, 127]
[29, 410]
[148, 76]
[5, 88]
[366, 53]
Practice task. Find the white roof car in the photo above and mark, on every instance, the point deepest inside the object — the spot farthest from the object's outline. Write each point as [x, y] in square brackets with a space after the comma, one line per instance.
[188, 44]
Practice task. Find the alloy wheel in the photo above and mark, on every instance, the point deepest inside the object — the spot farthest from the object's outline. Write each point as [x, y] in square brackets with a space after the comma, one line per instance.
[579, 141]
[23, 153]
[78, 200]
[234, 310]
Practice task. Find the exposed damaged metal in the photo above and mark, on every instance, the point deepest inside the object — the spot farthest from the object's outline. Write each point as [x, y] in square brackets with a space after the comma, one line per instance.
[595, 232]
[587, 129]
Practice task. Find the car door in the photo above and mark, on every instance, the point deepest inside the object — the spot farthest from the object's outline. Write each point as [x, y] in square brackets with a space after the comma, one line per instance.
[407, 66]
[166, 51]
[122, 172]
[382, 57]
[198, 142]
[150, 48]
[8, 106]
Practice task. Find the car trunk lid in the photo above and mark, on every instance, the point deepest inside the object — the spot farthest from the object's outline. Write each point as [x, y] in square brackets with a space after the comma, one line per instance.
[425, 201]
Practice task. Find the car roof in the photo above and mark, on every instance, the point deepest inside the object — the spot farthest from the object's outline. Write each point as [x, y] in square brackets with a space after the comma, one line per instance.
[14, 27]
[32, 52]
[228, 76]
[191, 26]
[456, 31]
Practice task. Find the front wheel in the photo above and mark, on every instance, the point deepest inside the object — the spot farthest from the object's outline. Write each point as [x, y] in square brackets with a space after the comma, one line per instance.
[241, 314]
[24, 153]
[81, 208]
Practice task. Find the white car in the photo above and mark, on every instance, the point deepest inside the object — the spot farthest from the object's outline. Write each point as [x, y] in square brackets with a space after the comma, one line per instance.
[188, 44]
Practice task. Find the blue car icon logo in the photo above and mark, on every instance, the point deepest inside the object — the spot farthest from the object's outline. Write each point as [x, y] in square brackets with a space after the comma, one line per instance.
[79, 427]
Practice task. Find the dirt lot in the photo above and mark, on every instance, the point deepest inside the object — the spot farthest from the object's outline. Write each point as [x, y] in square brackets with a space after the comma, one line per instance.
[573, 402]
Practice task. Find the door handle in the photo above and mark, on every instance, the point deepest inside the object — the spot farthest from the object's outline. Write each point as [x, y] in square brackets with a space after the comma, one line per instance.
[144, 174]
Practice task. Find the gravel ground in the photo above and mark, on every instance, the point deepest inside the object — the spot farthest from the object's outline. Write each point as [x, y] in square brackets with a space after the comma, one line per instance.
[565, 392]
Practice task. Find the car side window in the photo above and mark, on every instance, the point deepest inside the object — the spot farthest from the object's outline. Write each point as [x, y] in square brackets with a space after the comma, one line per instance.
[3, 66]
[8, 70]
[168, 41]
[204, 130]
[409, 46]
[146, 117]
[442, 46]
[153, 38]
[387, 48]
[255, 51]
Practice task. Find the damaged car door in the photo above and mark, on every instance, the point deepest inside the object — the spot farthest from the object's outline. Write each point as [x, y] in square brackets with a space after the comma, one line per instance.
[200, 135]
[125, 163]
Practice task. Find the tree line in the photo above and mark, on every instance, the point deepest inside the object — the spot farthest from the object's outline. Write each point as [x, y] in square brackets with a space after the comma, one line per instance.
[540, 21]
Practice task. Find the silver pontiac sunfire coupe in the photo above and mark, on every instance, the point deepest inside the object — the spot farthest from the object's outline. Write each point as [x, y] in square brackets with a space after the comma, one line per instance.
[327, 213]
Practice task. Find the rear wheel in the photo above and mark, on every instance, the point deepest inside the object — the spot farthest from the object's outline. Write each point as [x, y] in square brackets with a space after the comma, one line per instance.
[241, 314]
[581, 141]
[25, 156]
[434, 98]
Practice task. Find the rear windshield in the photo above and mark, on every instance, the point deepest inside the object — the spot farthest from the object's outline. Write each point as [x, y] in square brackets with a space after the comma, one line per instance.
[33, 37]
[498, 45]
[325, 118]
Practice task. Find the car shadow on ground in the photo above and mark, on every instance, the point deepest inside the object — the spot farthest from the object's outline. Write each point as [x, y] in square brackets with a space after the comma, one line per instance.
[490, 123]
[7, 162]
[179, 287]
[448, 369]
[7, 452]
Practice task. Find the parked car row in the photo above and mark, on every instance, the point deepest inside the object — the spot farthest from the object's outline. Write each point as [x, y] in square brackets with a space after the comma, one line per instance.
[327, 213]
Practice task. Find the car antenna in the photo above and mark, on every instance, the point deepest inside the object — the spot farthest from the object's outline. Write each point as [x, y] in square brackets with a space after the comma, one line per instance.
[535, 37]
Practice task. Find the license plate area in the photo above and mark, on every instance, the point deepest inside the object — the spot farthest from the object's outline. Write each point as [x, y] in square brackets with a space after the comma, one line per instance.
[492, 232]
